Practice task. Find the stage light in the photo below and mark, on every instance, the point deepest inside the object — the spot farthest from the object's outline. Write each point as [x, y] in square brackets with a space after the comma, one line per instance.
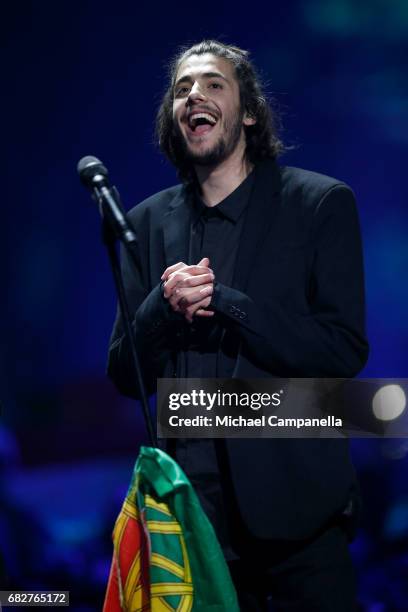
[389, 402]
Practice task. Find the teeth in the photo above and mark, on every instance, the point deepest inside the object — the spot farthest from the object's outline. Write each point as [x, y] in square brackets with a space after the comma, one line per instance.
[192, 120]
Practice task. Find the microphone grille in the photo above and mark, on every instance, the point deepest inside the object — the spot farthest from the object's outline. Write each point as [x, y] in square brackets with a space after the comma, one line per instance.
[88, 167]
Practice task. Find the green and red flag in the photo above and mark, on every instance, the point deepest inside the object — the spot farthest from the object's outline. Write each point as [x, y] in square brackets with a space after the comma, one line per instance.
[166, 556]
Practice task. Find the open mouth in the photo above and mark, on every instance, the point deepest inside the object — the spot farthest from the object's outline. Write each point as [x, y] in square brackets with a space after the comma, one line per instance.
[201, 123]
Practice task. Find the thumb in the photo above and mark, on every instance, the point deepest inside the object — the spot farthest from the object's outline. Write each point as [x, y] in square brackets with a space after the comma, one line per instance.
[204, 262]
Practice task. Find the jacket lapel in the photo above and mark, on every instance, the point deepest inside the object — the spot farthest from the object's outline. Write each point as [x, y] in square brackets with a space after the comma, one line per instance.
[263, 207]
[176, 228]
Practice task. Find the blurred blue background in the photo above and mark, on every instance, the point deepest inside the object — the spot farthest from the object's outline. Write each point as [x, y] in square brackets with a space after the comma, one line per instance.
[86, 78]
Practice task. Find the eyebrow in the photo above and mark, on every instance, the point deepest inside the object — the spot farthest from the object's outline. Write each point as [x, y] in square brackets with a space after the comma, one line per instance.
[205, 75]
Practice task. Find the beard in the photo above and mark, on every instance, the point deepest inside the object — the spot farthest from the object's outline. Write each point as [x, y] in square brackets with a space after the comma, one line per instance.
[214, 155]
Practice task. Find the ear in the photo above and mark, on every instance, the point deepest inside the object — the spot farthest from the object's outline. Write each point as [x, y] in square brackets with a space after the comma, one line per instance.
[248, 120]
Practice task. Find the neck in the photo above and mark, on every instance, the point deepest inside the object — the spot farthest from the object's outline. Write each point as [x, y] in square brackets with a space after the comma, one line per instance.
[217, 182]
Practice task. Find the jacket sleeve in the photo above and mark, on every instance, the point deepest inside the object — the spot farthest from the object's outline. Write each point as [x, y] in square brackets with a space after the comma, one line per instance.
[152, 316]
[329, 338]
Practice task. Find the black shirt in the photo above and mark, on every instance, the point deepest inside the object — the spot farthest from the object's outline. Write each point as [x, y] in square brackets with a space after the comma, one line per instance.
[215, 232]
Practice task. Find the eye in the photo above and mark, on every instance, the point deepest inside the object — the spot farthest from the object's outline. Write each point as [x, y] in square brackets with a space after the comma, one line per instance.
[215, 86]
[182, 91]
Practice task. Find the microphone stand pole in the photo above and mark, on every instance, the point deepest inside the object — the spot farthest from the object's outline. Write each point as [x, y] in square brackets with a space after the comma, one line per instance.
[115, 226]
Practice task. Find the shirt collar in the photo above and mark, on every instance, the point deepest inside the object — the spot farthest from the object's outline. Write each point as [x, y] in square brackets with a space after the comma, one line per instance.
[231, 207]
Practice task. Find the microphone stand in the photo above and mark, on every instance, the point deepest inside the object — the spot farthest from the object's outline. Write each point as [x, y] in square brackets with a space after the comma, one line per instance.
[116, 226]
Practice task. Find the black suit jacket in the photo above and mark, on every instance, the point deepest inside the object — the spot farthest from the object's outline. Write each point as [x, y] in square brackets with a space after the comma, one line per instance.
[295, 309]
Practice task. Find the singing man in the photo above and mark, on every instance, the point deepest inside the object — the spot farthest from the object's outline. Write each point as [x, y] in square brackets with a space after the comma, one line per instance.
[249, 269]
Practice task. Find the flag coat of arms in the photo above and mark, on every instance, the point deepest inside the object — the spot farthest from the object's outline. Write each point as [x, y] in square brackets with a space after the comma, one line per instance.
[166, 557]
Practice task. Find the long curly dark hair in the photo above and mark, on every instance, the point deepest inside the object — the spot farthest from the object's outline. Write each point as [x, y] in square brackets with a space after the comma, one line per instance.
[262, 139]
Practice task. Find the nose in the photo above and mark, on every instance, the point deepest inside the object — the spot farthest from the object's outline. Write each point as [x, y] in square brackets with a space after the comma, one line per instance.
[196, 94]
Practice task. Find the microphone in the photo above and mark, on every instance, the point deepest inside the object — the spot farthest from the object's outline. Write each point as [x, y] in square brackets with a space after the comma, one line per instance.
[92, 172]
[94, 176]
[115, 224]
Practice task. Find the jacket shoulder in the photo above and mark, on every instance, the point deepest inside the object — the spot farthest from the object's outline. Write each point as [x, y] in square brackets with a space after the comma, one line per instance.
[307, 187]
[156, 203]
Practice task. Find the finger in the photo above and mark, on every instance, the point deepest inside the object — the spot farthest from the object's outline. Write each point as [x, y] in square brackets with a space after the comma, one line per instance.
[172, 281]
[172, 269]
[191, 310]
[179, 276]
[195, 281]
[208, 290]
[195, 270]
[194, 307]
[188, 297]
[185, 272]
[204, 313]
[174, 303]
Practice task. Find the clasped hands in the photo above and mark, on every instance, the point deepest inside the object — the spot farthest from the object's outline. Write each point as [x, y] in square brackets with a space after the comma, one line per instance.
[189, 288]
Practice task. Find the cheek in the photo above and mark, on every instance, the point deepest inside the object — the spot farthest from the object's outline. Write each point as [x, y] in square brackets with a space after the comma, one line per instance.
[178, 108]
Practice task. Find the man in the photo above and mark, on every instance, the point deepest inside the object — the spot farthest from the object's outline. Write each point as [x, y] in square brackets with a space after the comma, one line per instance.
[251, 270]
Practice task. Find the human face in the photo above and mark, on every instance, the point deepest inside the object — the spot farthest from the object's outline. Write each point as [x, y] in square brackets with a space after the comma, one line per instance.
[207, 114]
